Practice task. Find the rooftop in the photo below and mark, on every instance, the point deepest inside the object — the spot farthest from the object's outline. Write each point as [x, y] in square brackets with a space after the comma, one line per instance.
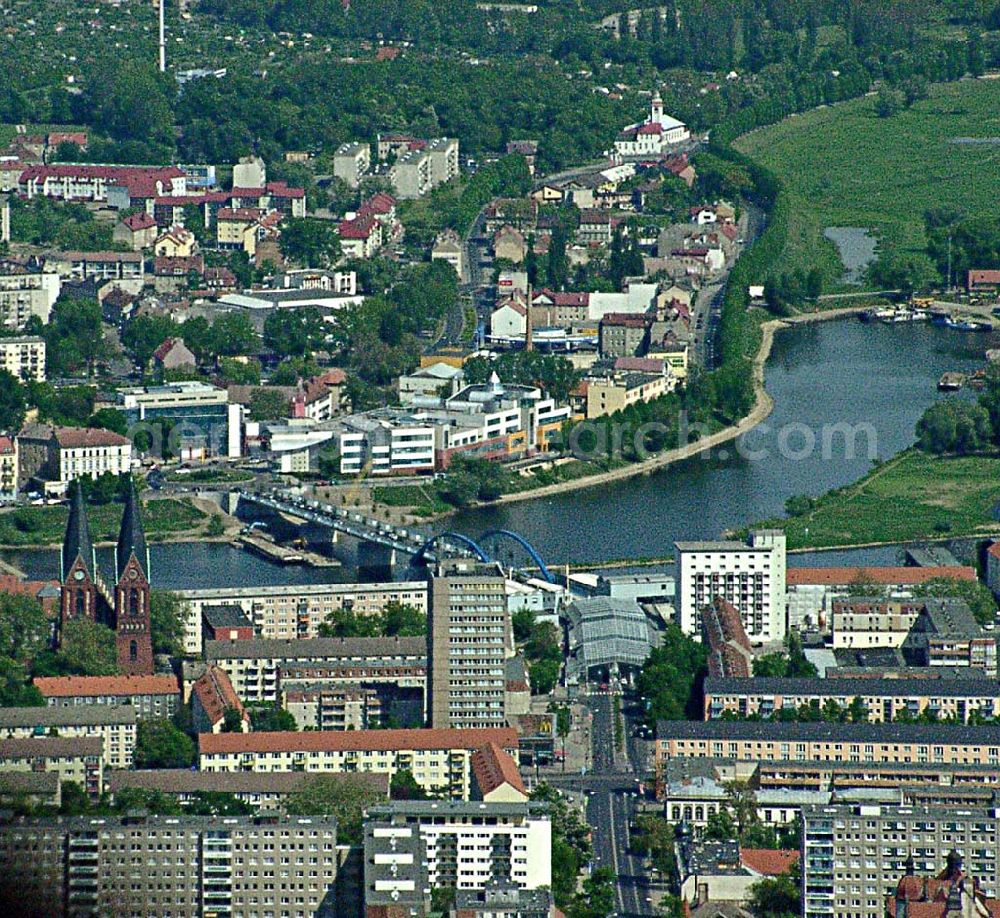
[89, 686]
[186, 781]
[951, 688]
[844, 576]
[310, 648]
[375, 740]
[50, 747]
[83, 715]
[770, 731]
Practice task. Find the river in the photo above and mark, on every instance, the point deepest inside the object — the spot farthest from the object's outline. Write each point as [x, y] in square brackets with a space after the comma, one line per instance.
[826, 373]
[818, 374]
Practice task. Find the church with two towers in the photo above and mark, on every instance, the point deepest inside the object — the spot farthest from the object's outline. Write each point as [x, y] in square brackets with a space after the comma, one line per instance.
[83, 594]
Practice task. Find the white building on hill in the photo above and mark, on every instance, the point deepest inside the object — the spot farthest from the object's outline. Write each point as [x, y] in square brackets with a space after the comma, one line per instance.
[652, 137]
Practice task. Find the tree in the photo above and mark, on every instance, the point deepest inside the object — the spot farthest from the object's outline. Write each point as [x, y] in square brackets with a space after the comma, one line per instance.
[268, 404]
[160, 744]
[403, 620]
[670, 680]
[86, 648]
[266, 719]
[344, 796]
[144, 334]
[776, 897]
[888, 102]
[348, 623]
[295, 332]
[233, 335]
[443, 899]
[241, 372]
[544, 676]
[109, 419]
[310, 242]
[167, 615]
[232, 720]
[12, 402]
[404, 786]
[127, 100]
[74, 337]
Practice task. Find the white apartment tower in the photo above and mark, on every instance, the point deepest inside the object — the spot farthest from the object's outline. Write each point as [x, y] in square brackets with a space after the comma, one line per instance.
[750, 575]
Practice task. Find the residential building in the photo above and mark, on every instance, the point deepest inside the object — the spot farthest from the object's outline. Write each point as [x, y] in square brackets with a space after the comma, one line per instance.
[503, 900]
[256, 668]
[36, 788]
[750, 575]
[200, 422]
[137, 231]
[853, 856]
[767, 740]
[509, 320]
[812, 590]
[176, 242]
[729, 651]
[114, 725]
[4, 216]
[23, 357]
[173, 354]
[225, 622]
[360, 237]
[57, 456]
[448, 247]
[351, 162]
[434, 380]
[76, 759]
[468, 637]
[496, 777]
[259, 789]
[439, 760]
[99, 266]
[624, 334]
[153, 697]
[618, 390]
[24, 294]
[443, 154]
[85, 182]
[711, 871]
[412, 848]
[509, 244]
[8, 467]
[882, 700]
[212, 698]
[387, 145]
[412, 174]
[949, 894]
[296, 610]
[191, 866]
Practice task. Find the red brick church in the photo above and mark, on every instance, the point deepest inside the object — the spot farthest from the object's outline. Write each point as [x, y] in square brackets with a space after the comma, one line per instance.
[84, 594]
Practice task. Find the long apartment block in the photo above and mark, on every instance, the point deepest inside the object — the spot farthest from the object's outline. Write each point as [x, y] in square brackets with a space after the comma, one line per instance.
[115, 725]
[762, 741]
[256, 667]
[883, 699]
[439, 760]
[853, 856]
[185, 867]
[296, 610]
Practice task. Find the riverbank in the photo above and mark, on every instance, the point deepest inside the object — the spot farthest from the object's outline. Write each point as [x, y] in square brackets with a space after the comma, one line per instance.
[911, 497]
[43, 527]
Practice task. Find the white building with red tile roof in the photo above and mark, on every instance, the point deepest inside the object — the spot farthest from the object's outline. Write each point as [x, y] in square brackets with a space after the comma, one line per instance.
[652, 137]
[151, 696]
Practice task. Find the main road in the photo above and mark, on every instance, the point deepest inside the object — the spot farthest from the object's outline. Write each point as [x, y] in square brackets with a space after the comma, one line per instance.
[612, 791]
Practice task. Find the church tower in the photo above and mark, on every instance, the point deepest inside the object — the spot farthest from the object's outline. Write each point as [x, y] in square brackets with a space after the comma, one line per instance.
[80, 595]
[132, 619]
[656, 109]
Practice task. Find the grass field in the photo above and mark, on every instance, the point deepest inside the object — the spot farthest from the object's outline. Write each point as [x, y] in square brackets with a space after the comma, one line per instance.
[914, 496]
[34, 526]
[845, 166]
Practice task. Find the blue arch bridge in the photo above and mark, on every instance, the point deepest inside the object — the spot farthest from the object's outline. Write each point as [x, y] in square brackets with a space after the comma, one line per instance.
[289, 515]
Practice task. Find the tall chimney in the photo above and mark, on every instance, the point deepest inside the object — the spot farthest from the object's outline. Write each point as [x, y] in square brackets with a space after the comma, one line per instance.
[529, 343]
[163, 37]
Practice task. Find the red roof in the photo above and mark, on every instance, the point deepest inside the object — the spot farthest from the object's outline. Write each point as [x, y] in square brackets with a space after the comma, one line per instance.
[627, 319]
[492, 768]
[640, 364]
[122, 174]
[983, 277]
[139, 222]
[359, 228]
[652, 127]
[769, 862]
[375, 740]
[843, 576]
[89, 686]
[216, 694]
[79, 437]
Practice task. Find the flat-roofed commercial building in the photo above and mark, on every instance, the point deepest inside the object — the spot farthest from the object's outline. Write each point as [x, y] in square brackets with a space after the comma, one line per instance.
[414, 847]
[256, 668]
[882, 699]
[188, 866]
[295, 610]
[115, 725]
[439, 760]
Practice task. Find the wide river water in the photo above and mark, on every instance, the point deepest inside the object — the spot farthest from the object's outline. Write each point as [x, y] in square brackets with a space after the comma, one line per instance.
[843, 372]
